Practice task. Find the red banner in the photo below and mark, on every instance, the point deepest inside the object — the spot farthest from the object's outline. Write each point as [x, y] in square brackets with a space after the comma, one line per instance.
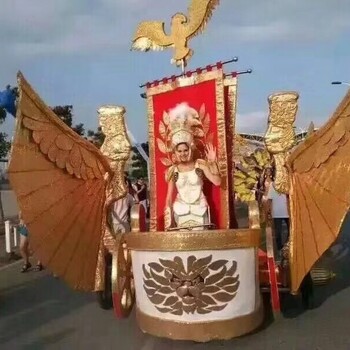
[207, 97]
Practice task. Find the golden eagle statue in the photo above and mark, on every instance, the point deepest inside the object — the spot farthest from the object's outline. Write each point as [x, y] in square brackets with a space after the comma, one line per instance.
[150, 35]
[65, 186]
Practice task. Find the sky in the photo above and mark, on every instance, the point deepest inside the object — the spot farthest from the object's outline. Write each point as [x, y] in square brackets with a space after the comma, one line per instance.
[78, 52]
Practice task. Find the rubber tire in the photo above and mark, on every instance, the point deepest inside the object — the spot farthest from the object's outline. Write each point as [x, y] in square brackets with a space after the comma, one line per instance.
[104, 298]
[307, 292]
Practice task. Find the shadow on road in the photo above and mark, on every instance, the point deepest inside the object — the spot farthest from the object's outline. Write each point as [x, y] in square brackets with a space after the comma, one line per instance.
[337, 259]
[35, 303]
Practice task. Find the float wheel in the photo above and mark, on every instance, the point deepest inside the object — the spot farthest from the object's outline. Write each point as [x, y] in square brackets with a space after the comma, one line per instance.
[123, 288]
[307, 292]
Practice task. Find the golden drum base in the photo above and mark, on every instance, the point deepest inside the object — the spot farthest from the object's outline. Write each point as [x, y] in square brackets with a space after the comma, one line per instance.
[200, 331]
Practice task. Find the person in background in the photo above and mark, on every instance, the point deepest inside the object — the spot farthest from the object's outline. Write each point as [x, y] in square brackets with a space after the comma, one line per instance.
[24, 246]
[141, 193]
[121, 211]
[134, 191]
[280, 212]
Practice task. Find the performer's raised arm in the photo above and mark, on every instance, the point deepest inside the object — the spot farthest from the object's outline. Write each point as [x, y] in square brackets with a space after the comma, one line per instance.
[210, 168]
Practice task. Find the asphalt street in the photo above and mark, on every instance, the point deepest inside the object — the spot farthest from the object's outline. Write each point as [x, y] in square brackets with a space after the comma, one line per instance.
[38, 312]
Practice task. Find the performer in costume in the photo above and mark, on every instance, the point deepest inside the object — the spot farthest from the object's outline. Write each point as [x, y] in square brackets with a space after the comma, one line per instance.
[190, 208]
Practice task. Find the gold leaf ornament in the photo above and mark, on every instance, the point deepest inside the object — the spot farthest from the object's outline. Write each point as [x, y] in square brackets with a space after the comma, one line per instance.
[202, 111]
[161, 146]
[162, 130]
[206, 123]
[167, 162]
[166, 118]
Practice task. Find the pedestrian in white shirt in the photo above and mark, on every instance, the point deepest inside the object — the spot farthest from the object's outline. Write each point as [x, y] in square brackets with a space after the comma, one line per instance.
[121, 212]
[280, 212]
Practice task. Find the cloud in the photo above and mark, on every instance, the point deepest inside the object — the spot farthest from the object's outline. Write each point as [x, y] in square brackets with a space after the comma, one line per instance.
[256, 122]
[251, 122]
[272, 21]
[69, 27]
[39, 27]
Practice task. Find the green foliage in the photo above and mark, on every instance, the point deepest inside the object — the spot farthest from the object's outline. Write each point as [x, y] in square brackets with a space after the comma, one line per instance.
[79, 129]
[65, 113]
[96, 137]
[139, 165]
[4, 144]
[2, 115]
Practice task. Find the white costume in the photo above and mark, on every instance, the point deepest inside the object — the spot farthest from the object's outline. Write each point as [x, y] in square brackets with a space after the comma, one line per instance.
[190, 206]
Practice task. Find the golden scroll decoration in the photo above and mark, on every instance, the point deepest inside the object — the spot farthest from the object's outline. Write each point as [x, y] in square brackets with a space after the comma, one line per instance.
[249, 172]
[280, 135]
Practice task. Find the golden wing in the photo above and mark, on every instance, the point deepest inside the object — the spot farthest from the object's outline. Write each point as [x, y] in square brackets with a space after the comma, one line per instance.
[199, 13]
[320, 191]
[150, 35]
[60, 183]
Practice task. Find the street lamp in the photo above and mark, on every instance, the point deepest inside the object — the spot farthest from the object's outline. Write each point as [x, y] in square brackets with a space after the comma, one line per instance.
[340, 83]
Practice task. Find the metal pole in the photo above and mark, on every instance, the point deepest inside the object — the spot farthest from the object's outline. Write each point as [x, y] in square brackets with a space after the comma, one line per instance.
[340, 83]
[234, 59]
[8, 236]
[15, 237]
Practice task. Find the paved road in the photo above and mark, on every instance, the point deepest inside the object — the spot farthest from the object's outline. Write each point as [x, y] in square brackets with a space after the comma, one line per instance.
[38, 312]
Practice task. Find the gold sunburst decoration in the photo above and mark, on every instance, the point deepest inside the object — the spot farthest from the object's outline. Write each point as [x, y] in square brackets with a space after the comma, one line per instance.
[247, 176]
[204, 286]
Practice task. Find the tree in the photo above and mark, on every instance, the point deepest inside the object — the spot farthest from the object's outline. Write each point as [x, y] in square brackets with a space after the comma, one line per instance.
[4, 144]
[65, 113]
[96, 137]
[7, 105]
[139, 165]
[79, 129]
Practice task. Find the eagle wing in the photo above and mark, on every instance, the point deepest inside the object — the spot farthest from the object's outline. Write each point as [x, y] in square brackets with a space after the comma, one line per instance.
[60, 183]
[199, 13]
[150, 35]
[320, 191]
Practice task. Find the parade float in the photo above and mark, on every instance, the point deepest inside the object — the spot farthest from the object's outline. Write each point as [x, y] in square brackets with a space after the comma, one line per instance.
[193, 274]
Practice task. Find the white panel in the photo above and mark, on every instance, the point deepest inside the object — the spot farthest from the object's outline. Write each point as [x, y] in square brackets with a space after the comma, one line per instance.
[246, 301]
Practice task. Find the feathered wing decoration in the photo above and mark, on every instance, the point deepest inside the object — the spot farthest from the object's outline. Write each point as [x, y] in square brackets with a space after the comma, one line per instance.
[60, 181]
[150, 35]
[320, 191]
[199, 13]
